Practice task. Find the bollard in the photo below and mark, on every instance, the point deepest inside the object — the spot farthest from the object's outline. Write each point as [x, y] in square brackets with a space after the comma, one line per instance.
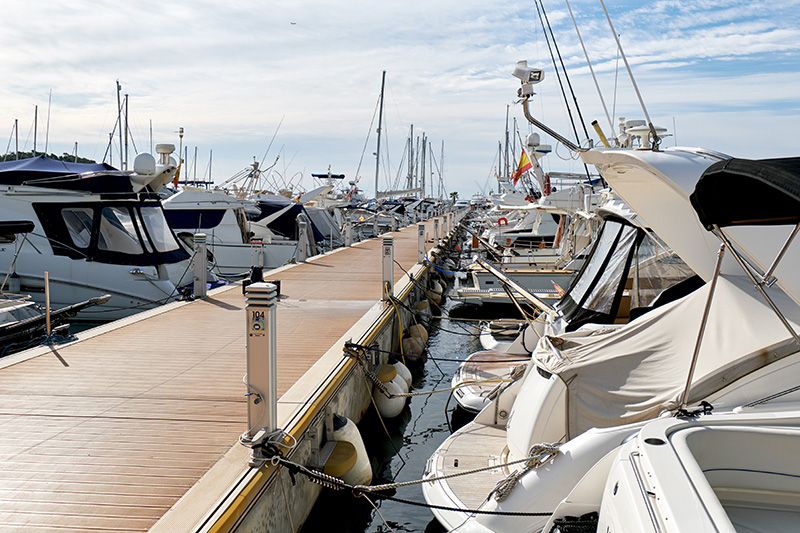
[405, 218]
[375, 225]
[388, 267]
[302, 240]
[436, 232]
[394, 224]
[348, 232]
[262, 364]
[421, 243]
[200, 268]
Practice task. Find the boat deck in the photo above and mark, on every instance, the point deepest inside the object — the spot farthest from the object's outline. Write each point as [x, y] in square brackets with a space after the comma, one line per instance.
[474, 446]
[108, 432]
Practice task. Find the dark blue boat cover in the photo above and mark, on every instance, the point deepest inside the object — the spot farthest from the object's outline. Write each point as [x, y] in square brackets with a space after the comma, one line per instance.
[285, 224]
[17, 172]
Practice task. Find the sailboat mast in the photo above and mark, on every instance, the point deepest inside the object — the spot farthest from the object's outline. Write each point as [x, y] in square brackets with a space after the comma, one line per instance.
[411, 158]
[35, 127]
[125, 161]
[507, 167]
[380, 123]
[119, 122]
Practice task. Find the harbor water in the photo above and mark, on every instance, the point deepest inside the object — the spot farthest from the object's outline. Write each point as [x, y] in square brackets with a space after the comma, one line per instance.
[415, 434]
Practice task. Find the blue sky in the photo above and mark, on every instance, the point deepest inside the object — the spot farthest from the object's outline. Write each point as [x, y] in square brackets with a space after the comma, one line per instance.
[723, 72]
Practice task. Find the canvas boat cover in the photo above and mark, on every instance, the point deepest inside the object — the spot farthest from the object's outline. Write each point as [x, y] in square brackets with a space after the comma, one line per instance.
[638, 371]
[17, 172]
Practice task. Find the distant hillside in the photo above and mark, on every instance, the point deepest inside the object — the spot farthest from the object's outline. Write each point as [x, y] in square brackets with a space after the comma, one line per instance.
[64, 157]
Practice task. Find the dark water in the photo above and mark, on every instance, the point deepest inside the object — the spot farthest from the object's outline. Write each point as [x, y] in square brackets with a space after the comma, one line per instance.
[416, 433]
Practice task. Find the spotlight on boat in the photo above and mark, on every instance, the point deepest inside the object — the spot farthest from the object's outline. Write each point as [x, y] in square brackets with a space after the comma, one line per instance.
[529, 76]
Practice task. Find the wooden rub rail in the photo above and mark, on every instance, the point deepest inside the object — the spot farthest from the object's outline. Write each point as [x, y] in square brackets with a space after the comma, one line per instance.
[134, 427]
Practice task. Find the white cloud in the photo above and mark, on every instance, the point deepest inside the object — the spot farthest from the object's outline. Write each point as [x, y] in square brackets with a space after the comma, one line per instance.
[230, 73]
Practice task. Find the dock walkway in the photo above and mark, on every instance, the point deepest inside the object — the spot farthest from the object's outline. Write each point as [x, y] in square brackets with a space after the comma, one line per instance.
[107, 433]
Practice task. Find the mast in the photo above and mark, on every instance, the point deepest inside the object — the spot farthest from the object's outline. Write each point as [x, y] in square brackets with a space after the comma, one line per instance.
[507, 168]
[125, 161]
[47, 129]
[441, 172]
[119, 122]
[422, 165]
[380, 123]
[411, 158]
[35, 127]
[16, 133]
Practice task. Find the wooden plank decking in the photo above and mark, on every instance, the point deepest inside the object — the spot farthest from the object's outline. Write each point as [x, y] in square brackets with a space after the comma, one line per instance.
[107, 433]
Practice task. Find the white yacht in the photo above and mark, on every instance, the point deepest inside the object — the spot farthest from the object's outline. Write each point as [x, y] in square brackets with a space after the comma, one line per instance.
[729, 471]
[723, 346]
[628, 272]
[96, 231]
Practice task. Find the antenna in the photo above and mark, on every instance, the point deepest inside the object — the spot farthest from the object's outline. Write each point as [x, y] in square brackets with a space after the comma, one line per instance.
[47, 130]
[653, 133]
[591, 69]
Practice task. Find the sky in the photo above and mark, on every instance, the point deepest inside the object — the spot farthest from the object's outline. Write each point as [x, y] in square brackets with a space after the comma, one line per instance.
[296, 83]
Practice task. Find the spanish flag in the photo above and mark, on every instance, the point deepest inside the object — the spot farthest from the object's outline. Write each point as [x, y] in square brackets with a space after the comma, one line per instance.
[177, 177]
[524, 166]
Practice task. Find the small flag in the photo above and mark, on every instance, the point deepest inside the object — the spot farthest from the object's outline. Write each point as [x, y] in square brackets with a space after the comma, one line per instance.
[361, 218]
[524, 166]
[177, 175]
[559, 290]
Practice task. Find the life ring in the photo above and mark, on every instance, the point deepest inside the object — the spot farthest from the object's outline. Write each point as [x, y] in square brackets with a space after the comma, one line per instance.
[502, 221]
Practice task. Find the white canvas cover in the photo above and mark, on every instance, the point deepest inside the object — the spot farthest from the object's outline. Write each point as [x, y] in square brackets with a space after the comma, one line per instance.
[636, 372]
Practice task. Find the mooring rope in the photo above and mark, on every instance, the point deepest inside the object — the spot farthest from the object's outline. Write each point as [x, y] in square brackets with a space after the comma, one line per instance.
[334, 483]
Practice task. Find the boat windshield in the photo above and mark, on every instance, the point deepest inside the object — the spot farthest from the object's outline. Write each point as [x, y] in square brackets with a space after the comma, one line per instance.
[129, 233]
[629, 271]
[117, 231]
[155, 224]
[596, 288]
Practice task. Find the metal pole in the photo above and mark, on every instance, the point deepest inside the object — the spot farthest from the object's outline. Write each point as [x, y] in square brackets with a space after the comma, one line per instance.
[420, 243]
[388, 266]
[200, 269]
[262, 364]
[706, 310]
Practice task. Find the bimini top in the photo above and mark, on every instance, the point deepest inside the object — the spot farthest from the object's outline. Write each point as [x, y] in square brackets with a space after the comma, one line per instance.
[743, 192]
[17, 172]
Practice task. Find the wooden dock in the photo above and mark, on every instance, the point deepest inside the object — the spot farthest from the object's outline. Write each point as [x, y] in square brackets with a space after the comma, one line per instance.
[109, 432]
